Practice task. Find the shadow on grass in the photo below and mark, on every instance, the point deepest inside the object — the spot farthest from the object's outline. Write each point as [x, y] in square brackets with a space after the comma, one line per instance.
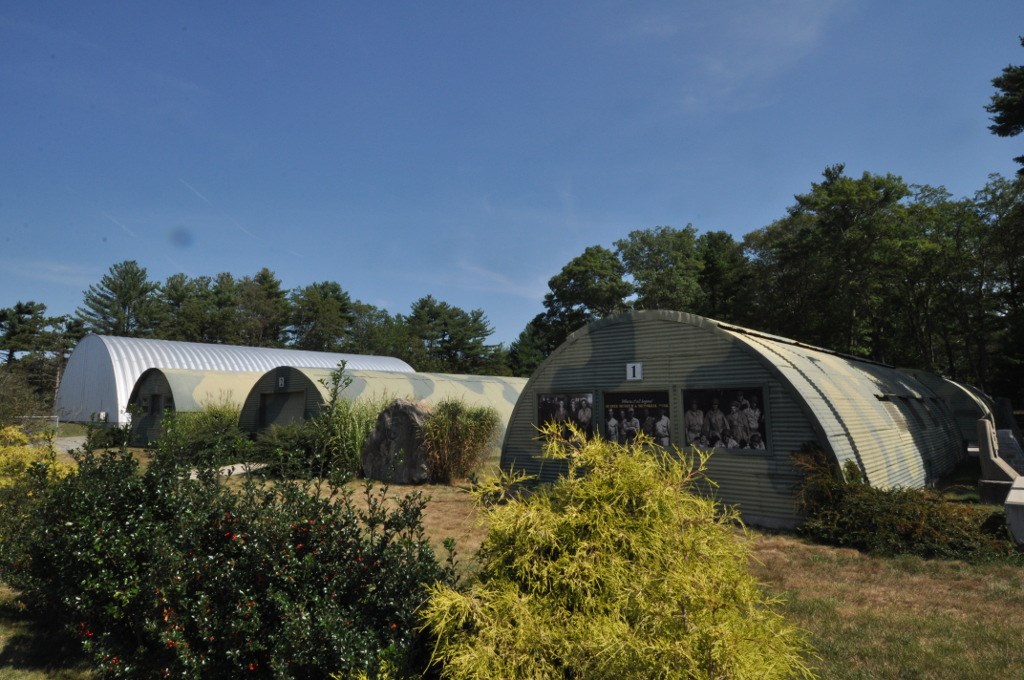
[36, 648]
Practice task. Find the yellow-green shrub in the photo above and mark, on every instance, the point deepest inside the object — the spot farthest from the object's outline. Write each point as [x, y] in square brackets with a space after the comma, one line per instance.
[19, 453]
[617, 570]
[27, 466]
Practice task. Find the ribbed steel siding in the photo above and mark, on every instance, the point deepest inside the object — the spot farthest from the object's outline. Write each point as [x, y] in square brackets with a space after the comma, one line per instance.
[89, 385]
[294, 380]
[500, 393]
[88, 392]
[189, 390]
[885, 421]
[965, 407]
[678, 352]
[194, 389]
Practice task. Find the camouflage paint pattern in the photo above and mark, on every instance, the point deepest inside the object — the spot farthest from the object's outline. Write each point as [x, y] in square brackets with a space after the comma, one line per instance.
[897, 430]
[500, 393]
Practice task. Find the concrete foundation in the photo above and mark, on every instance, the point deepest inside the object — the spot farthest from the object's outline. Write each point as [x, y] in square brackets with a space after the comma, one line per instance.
[1015, 510]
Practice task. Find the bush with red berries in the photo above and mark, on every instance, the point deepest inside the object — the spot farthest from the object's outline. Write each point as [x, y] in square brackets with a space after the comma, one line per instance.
[164, 574]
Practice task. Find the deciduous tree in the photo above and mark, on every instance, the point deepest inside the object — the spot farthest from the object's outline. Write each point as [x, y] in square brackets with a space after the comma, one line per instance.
[590, 287]
[665, 266]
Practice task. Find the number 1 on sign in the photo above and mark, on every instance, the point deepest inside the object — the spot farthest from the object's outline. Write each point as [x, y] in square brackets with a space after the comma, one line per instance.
[635, 371]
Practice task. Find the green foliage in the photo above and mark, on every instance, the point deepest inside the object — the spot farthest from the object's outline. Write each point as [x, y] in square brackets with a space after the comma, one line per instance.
[456, 437]
[22, 328]
[285, 448]
[320, 316]
[103, 436]
[530, 349]
[832, 261]
[200, 309]
[208, 437]
[328, 445]
[262, 310]
[124, 302]
[448, 339]
[1007, 105]
[341, 428]
[724, 279]
[920, 522]
[161, 575]
[589, 287]
[376, 331]
[19, 399]
[665, 266]
[617, 570]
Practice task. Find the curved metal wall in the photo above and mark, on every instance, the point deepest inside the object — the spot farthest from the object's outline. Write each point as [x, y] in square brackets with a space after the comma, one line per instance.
[103, 370]
[891, 425]
[965, 403]
[897, 430]
[307, 386]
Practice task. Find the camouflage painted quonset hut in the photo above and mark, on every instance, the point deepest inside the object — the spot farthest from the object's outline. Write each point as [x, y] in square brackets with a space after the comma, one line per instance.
[754, 398]
[103, 369]
[966, 403]
[288, 393]
[183, 390]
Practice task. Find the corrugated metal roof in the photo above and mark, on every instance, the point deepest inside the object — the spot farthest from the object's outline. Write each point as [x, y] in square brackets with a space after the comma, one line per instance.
[103, 369]
[887, 422]
[966, 404]
[192, 389]
[499, 392]
[873, 414]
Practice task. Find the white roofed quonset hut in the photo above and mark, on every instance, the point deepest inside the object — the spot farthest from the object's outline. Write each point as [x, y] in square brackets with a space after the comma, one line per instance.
[103, 370]
[754, 398]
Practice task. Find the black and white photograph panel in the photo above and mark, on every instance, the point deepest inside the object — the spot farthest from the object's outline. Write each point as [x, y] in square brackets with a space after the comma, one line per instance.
[731, 418]
[577, 409]
[627, 414]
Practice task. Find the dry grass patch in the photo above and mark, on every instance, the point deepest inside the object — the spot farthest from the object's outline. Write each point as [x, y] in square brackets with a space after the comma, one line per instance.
[450, 513]
[898, 617]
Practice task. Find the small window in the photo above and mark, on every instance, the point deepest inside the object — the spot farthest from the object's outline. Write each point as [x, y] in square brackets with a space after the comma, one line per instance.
[155, 403]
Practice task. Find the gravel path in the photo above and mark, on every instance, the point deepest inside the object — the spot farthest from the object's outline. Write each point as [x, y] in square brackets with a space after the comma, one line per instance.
[65, 444]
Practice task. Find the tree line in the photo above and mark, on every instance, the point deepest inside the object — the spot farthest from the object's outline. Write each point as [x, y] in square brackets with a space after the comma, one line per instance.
[868, 266]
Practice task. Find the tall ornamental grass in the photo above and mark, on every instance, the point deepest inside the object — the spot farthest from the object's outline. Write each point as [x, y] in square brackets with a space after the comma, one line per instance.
[456, 437]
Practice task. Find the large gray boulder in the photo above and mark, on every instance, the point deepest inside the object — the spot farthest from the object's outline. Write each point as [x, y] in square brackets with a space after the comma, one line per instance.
[393, 453]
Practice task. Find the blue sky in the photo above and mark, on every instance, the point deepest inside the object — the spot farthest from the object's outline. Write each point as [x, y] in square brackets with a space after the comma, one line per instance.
[467, 150]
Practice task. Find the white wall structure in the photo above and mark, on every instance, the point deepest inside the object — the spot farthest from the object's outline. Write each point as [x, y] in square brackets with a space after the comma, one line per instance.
[103, 369]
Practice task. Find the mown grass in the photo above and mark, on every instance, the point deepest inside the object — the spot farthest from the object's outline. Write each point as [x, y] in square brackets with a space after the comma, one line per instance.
[31, 650]
[903, 617]
[867, 617]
